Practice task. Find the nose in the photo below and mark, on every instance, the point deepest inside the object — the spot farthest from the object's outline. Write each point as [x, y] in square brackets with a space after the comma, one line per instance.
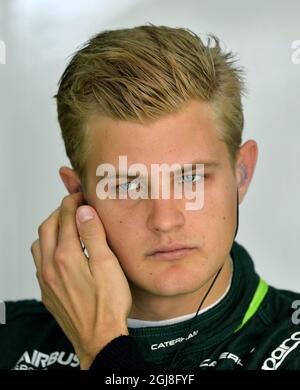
[165, 215]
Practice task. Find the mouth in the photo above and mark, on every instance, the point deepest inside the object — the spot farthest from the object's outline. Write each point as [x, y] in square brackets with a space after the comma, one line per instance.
[172, 252]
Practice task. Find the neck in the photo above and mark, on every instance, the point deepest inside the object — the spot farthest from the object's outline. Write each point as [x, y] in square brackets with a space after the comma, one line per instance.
[155, 308]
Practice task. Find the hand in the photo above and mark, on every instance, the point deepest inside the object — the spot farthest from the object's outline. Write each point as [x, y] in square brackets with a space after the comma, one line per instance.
[89, 298]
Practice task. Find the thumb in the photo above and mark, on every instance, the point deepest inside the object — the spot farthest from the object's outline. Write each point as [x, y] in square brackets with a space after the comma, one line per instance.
[92, 232]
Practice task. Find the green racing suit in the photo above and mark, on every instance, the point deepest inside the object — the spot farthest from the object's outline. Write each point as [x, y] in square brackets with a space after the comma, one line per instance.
[253, 327]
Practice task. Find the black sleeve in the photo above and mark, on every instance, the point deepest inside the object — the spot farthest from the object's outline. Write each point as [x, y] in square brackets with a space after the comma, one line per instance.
[121, 353]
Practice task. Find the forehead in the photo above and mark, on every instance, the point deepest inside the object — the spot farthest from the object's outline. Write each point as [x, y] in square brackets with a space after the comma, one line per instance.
[182, 137]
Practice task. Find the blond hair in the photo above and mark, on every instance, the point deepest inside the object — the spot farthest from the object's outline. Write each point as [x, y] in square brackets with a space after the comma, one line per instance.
[143, 73]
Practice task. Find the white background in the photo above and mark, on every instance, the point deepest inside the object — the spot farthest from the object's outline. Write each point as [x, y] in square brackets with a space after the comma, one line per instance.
[40, 35]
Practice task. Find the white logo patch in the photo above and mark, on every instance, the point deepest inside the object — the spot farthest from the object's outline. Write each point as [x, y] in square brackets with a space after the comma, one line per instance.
[170, 343]
[41, 361]
[280, 353]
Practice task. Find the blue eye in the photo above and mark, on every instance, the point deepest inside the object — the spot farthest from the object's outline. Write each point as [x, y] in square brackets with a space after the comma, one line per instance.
[190, 178]
[128, 186]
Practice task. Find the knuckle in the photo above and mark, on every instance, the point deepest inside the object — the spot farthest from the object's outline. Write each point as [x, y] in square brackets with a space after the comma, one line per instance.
[33, 245]
[48, 276]
[60, 260]
[59, 256]
[46, 224]
[41, 228]
[68, 203]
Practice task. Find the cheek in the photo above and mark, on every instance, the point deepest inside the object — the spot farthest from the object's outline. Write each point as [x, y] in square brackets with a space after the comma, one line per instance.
[226, 225]
[121, 232]
[113, 225]
[219, 211]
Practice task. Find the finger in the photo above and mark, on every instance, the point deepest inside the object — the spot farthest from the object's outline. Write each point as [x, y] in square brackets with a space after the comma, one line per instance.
[68, 236]
[48, 232]
[40, 269]
[92, 232]
[37, 256]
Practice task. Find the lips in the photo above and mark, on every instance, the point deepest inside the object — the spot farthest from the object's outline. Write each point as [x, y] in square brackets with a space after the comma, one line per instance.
[172, 251]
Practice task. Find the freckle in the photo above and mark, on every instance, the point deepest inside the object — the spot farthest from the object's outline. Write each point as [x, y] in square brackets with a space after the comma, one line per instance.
[121, 221]
[224, 218]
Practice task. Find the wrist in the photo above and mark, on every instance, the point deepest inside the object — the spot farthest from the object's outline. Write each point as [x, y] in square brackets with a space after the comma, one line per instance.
[86, 362]
[86, 358]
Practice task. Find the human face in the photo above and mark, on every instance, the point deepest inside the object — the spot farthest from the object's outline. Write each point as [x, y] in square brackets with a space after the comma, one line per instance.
[134, 228]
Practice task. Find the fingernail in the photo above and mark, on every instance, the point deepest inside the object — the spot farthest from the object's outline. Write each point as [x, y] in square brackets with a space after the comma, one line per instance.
[84, 214]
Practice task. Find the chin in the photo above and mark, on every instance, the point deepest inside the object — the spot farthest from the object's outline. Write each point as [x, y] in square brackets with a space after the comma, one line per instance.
[180, 284]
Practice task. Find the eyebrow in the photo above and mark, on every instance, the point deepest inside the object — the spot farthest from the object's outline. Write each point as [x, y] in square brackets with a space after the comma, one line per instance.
[209, 164]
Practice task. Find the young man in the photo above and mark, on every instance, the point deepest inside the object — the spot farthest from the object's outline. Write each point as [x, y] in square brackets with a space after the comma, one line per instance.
[160, 285]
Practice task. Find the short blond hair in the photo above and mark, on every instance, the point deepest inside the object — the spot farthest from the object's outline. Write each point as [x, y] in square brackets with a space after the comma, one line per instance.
[143, 73]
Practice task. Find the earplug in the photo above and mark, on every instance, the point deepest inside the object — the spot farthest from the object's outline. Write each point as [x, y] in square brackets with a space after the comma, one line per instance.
[244, 174]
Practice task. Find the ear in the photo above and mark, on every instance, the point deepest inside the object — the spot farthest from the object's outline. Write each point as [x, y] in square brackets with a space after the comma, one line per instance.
[70, 179]
[245, 167]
